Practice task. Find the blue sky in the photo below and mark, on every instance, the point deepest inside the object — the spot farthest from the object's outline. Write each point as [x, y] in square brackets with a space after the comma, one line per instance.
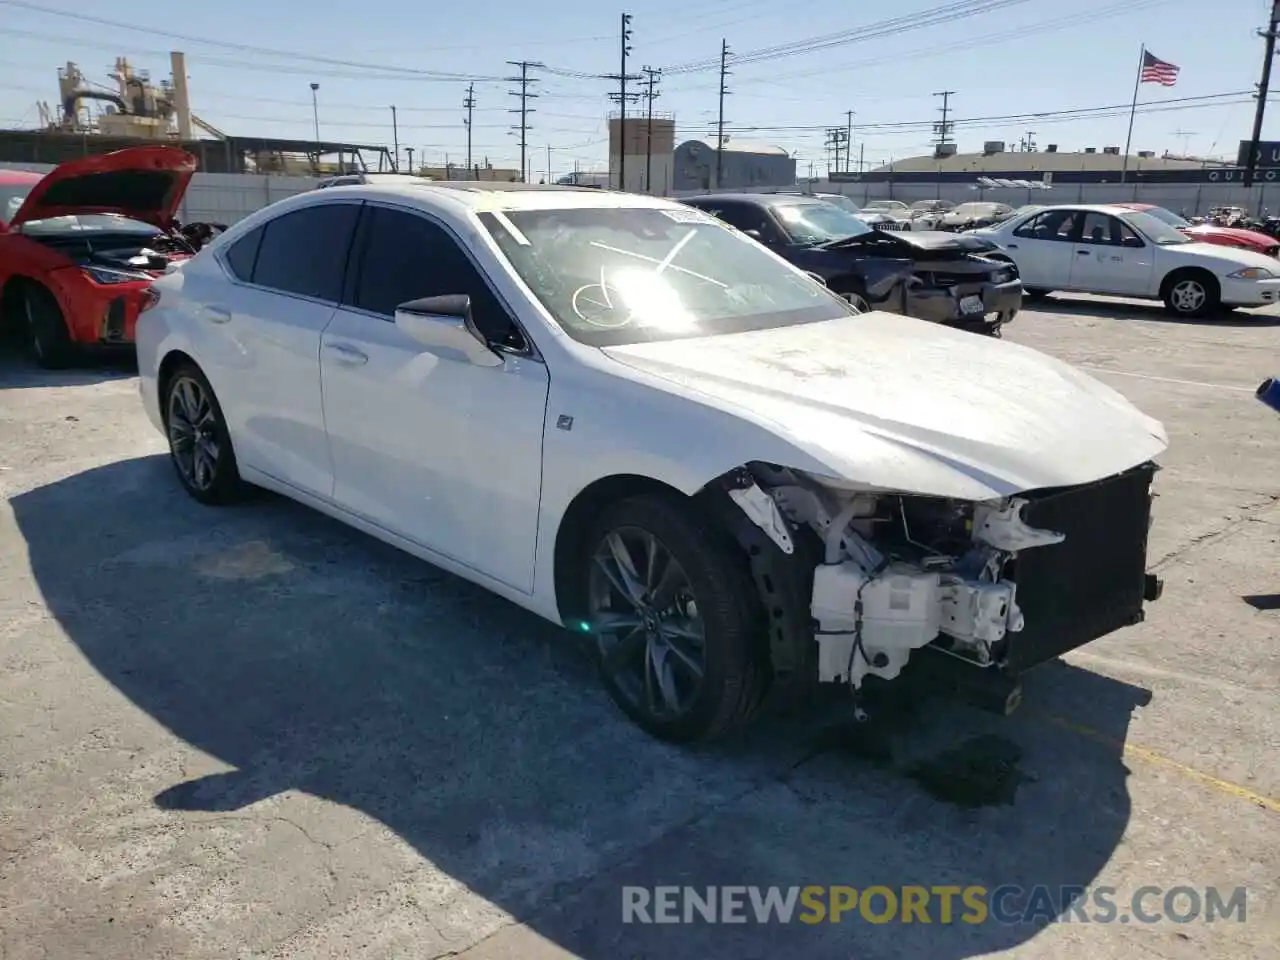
[1024, 56]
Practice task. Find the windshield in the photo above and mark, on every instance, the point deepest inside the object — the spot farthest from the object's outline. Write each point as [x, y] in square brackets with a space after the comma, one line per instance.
[932, 205]
[88, 223]
[818, 222]
[979, 210]
[11, 197]
[1165, 216]
[841, 201]
[617, 275]
[886, 206]
[1157, 231]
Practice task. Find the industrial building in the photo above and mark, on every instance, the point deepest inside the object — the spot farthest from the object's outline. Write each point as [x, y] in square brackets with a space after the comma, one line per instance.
[1090, 165]
[640, 152]
[736, 166]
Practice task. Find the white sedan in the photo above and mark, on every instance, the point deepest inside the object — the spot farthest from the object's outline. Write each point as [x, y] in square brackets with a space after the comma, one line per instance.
[633, 420]
[1127, 253]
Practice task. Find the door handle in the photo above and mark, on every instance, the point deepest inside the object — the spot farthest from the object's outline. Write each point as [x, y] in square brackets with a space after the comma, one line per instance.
[348, 354]
[1084, 253]
[1011, 246]
[217, 314]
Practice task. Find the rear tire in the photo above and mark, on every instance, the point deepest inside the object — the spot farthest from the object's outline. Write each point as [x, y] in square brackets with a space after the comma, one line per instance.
[45, 337]
[199, 444]
[676, 619]
[1191, 293]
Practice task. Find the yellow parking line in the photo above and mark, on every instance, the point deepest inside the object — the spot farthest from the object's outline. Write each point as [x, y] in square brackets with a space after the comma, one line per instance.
[1142, 753]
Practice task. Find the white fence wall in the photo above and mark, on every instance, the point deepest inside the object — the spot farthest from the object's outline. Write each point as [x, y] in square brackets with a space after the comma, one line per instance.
[227, 197]
[219, 197]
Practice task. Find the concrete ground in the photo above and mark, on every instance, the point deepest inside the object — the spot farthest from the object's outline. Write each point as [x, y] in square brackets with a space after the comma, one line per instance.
[256, 733]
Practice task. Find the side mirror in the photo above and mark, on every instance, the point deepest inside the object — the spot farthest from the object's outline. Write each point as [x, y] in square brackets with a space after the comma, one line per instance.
[755, 235]
[444, 325]
[817, 277]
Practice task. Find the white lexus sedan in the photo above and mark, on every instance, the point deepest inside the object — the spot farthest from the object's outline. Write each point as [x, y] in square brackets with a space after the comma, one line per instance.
[633, 420]
[1122, 252]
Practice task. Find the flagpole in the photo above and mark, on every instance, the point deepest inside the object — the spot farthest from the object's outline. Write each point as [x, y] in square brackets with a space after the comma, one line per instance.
[1133, 109]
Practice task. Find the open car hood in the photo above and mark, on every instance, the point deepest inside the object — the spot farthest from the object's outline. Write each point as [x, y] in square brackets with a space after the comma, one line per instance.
[141, 183]
[917, 241]
[1250, 238]
[894, 403]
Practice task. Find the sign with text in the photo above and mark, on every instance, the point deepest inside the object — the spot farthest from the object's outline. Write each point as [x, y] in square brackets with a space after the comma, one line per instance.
[1267, 154]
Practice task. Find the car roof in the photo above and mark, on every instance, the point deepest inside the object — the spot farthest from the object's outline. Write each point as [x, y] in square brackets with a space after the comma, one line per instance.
[478, 196]
[765, 199]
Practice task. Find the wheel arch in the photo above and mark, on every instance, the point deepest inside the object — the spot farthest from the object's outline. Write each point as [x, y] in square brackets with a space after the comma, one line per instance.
[164, 373]
[10, 295]
[784, 583]
[1177, 273]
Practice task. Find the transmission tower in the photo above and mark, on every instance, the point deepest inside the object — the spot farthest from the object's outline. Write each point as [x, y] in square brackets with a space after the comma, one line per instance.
[524, 109]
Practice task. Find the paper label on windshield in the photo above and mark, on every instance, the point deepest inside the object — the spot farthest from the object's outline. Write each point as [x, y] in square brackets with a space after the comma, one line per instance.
[689, 216]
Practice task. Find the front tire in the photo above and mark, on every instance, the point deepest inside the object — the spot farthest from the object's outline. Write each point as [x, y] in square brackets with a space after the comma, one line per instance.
[676, 620]
[44, 329]
[199, 444]
[1192, 293]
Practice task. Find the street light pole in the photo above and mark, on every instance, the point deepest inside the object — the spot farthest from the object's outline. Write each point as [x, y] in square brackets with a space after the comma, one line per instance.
[315, 112]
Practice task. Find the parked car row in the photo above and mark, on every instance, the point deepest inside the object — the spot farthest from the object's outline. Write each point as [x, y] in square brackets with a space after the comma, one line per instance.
[934, 276]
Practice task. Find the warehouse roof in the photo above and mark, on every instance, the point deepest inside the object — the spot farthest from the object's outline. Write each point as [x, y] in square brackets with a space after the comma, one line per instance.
[743, 146]
[1038, 161]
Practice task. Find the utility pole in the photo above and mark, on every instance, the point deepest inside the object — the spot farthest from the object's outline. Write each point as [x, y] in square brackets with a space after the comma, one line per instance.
[548, 163]
[724, 77]
[652, 77]
[862, 153]
[943, 129]
[621, 97]
[848, 140]
[409, 151]
[1264, 87]
[524, 110]
[1029, 144]
[469, 104]
[395, 140]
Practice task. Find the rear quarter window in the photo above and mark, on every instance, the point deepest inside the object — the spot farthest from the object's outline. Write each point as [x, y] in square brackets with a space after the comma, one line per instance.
[243, 254]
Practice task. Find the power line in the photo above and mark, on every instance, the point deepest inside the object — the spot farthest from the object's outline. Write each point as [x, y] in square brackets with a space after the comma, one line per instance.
[525, 96]
[947, 13]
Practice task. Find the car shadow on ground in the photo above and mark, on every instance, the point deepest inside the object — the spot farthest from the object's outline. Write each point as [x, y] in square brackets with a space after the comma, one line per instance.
[18, 372]
[1150, 312]
[311, 658]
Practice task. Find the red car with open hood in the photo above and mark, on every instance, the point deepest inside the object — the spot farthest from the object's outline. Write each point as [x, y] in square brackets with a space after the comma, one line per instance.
[79, 247]
[1210, 233]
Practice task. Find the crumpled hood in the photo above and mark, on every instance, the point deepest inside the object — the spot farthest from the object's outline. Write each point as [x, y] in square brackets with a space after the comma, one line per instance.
[901, 404]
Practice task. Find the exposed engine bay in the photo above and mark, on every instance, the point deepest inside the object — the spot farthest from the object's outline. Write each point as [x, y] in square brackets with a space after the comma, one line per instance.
[894, 573]
[128, 251]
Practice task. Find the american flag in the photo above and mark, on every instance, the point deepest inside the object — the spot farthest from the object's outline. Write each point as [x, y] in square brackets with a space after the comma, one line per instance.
[1155, 70]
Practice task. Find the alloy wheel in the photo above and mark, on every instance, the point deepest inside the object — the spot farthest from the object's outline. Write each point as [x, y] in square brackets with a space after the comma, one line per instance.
[643, 612]
[193, 437]
[1188, 296]
[33, 334]
[859, 302]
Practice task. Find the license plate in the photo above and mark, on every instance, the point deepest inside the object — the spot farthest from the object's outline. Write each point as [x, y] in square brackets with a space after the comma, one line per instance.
[970, 305]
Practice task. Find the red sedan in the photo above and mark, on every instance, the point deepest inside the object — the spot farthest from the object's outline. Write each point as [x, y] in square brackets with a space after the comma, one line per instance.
[1208, 233]
[79, 247]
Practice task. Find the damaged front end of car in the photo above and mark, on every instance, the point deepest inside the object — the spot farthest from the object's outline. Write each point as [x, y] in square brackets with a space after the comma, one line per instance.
[857, 583]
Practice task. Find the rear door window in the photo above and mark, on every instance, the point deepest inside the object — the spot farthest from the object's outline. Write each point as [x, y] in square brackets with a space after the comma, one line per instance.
[304, 252]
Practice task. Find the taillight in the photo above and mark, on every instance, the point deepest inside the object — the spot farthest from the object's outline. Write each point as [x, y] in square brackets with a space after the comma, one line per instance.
[150, 297]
